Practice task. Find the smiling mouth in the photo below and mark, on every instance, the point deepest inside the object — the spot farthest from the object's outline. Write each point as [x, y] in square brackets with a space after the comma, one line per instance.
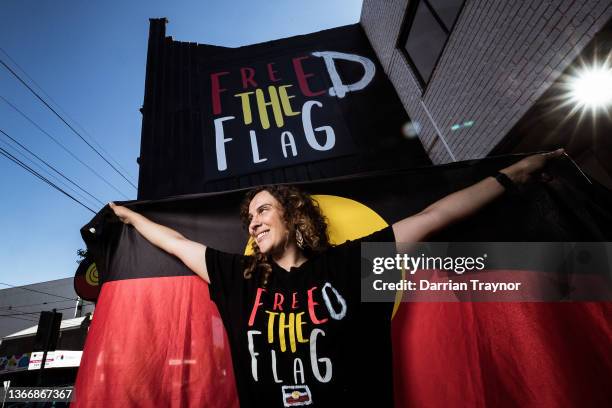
[262, 235]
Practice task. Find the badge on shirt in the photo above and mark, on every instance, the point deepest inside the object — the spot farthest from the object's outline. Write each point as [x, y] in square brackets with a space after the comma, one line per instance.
[296, 395]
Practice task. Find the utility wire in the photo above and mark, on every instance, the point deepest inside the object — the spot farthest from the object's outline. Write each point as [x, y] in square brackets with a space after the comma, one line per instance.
[31, 313]
[37, 291]
[18, 312]
[44, 172]
[64, 112]
[11, 307]
[43, 178]
[51, 167]
[31, 166]
[102, 148]
[60, 144]
[43, 303]
[66, 123]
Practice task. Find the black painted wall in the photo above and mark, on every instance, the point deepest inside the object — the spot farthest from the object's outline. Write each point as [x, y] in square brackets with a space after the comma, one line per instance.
[189, 86]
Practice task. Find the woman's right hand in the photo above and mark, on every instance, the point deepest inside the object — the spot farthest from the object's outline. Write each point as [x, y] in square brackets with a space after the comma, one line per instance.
[123, 213]
[193, 254]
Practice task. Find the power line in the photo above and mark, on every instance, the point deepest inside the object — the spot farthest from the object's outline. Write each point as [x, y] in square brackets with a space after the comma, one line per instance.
[60, 144]
[15, 160]
[19, 312]
[52, 168]
[64, 111]
[44, 172]
[43, 303]
[43, 178]
[11, 307]
[31, 313]
[66, 123]
[102, 148]
[37, 291]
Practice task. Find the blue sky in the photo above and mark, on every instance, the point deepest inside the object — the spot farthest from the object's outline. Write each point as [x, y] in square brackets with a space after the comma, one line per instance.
[89, 57]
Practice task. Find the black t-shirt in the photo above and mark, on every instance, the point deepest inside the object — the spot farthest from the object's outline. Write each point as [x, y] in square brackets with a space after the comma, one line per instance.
[306, 339]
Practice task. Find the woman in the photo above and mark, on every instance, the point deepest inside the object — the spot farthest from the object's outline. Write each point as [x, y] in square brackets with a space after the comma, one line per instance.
[298, 332]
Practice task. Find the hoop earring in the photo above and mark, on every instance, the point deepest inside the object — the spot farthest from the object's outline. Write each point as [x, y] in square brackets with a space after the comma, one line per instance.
[286, 242]
[299, 239]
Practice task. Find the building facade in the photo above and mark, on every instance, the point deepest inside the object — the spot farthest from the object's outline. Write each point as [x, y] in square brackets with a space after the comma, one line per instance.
[296, 109]
[468, 72]
[21, 307]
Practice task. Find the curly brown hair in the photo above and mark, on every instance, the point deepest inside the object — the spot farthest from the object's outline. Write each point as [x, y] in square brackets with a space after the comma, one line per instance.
[300, 212]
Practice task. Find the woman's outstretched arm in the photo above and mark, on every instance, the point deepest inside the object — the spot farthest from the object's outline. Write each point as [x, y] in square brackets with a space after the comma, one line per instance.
[466, 202]
[191, 253]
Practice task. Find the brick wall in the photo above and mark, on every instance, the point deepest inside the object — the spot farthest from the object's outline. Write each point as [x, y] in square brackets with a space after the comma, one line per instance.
[500, 57]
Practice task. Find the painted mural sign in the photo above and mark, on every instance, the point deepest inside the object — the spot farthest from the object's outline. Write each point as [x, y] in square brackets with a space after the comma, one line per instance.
[296, 109]
[282, 111]
[15, 362]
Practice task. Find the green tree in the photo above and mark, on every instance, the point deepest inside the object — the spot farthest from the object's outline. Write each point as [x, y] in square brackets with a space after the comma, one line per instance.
[82, 254]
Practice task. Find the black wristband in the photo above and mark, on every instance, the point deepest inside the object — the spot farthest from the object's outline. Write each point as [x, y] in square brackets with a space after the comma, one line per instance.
[506, 182]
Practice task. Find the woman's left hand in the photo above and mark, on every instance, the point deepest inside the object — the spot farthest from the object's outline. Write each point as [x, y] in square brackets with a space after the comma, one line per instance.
[524, 170]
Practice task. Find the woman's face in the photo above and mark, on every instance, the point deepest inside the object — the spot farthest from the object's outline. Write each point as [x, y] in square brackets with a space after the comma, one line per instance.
[267, 226]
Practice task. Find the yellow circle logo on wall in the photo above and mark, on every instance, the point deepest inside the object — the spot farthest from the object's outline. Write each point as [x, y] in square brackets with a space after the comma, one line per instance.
[346, 220]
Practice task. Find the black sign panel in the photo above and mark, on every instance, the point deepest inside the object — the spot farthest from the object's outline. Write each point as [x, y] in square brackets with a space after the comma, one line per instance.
[297, 109]
[282, 111]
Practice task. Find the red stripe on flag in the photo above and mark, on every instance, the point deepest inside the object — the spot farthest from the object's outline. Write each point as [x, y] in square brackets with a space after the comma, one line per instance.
[156, 342]
[502, 354]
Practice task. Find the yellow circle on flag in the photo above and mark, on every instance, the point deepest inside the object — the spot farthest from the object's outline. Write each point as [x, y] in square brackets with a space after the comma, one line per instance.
[91, 275]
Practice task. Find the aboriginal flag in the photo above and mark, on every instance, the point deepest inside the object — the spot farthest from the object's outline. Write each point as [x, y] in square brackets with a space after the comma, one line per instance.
[157, 339]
